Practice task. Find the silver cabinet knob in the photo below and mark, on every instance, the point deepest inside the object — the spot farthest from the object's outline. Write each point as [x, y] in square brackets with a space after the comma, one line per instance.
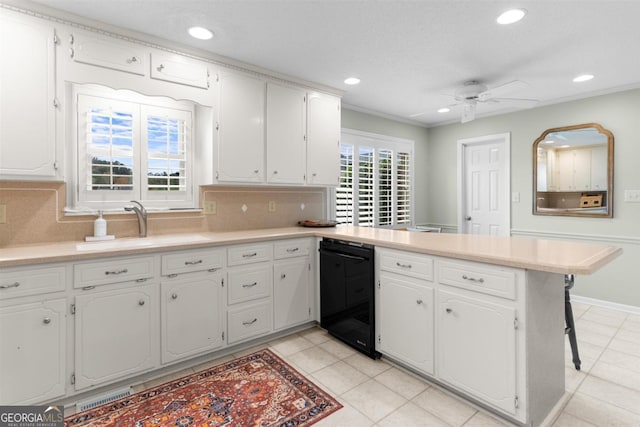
[141, 302]
[174, 296]
[468, 218]
[448, 310]
[46, 320]
[419, 301]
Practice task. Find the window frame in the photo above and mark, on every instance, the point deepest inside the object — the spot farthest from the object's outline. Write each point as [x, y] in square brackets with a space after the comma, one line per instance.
[377, 142]
[81, 200]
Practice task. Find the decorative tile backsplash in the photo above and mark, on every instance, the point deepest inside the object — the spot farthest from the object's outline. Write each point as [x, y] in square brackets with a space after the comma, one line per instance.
[35, 212]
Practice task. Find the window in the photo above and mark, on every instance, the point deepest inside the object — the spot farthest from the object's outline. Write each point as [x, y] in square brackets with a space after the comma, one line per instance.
[376, 174]
[132, 147]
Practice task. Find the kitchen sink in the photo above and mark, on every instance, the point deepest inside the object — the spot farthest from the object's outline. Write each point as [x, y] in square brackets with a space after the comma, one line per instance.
[140, 242]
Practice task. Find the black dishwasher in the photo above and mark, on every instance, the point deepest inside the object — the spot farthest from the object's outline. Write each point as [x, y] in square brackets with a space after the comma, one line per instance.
[346, 293]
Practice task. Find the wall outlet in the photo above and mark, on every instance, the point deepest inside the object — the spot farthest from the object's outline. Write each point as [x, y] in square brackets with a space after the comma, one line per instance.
[272, 206]
[632, 195]
[3, 214]
[210, 208]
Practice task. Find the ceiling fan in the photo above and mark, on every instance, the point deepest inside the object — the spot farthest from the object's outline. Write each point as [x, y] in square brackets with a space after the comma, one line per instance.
[474, 92]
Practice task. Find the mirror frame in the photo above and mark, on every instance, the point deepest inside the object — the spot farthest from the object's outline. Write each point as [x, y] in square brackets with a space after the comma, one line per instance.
[609, 198]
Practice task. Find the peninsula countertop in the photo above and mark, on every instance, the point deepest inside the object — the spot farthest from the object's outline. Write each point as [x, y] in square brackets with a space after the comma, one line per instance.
[553, 256]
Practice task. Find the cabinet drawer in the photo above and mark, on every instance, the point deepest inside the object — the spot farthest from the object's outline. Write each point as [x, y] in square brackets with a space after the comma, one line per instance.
[108, 53]
[179, 69]
[414, 265]
[33, 281]
[248, 284]
[246, 254]
[186, 262]
[249, 321]
[291, 248]
[492, 281]
[112, 271]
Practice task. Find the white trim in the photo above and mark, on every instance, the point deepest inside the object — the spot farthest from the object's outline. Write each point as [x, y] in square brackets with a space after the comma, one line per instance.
[462, 143]
[606, 304]
[577, 236]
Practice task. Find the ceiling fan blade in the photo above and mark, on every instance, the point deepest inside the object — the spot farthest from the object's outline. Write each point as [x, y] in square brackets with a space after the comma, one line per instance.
[469, 112]
[532, 102]
[503, 89]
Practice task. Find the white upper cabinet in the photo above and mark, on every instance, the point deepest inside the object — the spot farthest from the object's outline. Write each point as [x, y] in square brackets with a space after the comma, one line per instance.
[599, 168]
[323, 138]
[104, 52]
[27, 98]
[241, 128]
[179, 69]
[286, 128]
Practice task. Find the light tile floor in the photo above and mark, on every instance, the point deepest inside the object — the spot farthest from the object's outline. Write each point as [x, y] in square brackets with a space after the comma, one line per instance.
[606, 392]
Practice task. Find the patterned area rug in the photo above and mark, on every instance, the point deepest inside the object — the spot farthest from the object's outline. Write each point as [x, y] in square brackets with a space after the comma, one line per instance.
[255, 390]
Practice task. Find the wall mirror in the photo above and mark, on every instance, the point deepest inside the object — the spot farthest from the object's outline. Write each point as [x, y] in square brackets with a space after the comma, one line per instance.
[573, 171]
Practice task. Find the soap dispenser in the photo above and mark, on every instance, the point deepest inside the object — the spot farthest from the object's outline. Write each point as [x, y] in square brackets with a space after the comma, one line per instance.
[100, 226]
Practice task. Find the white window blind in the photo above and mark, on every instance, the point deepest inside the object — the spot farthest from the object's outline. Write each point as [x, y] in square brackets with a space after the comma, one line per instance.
[130, 150]
[379, 192]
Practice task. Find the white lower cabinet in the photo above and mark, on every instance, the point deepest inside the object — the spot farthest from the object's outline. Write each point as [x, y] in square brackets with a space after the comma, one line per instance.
[116, 334]
[476, 347]
[291, 292]
[191, 315]
[32, 352]
[249, 321]
[405, 316]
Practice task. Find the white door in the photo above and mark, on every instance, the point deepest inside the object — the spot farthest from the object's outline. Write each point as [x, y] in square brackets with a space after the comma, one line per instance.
[483, 199]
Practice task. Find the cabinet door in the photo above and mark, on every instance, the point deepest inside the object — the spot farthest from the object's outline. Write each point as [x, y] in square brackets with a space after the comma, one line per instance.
[582, 166]
[476, 347]
[286, 127]
[109, 53]
[32, 352]
[323, 138]
[565, 171]
[291, 292]
[175, 68]
[191, 316]
[599, 168]
[116, 334]
[241, 128]
[405, 324]
[27, 95]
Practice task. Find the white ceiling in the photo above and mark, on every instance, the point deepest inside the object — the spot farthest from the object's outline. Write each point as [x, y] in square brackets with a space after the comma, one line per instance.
[410, 55]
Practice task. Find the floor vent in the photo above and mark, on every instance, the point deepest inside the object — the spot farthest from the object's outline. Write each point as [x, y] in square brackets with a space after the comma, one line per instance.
[103, 399]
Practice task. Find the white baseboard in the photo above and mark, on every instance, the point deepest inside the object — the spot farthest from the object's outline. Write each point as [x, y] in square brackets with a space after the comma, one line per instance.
[606, 304]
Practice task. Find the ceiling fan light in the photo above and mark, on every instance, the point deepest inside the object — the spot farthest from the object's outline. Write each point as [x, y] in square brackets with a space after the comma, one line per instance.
[583, 78]
[200, 33]
[444, 110]
[352, 81]
[511, 16]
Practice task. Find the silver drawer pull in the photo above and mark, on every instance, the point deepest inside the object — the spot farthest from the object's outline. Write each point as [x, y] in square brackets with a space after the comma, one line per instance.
[403, 265]
[448, 310]
[132, 59]
[88, 288]
[174, 296]
[255, 319]
[251, 255]
[473, 279]
[114, 272]
[13, 285]
[250, 285]
[193, 262]
[292, 250]
[46, 320]
[141, 302]
[214, 269]
[419, 301]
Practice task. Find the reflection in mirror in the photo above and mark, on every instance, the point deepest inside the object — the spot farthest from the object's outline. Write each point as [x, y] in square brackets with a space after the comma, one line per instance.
[573, 171]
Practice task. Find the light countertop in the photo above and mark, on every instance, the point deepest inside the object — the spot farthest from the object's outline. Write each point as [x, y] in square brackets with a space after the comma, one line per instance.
[534, 254]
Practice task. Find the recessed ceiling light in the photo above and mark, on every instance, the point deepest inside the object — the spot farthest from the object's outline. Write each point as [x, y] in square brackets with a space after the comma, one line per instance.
[444, 110]
[511, 16]
[200, 33]
[549, 141]
[583, 78]
[352, 81]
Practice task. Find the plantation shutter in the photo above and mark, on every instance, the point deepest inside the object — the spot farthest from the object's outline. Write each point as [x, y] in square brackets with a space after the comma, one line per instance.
[344, 193]
[403, 188]
[366, 187]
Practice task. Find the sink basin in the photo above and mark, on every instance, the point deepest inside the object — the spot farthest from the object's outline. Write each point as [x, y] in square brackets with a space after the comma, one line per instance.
[140, 243]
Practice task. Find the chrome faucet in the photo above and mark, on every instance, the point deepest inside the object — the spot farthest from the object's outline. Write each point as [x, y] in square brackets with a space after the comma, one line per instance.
[141, 212]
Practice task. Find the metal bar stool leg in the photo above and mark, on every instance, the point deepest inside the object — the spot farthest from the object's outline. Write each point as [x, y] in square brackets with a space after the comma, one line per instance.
[570, 328]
